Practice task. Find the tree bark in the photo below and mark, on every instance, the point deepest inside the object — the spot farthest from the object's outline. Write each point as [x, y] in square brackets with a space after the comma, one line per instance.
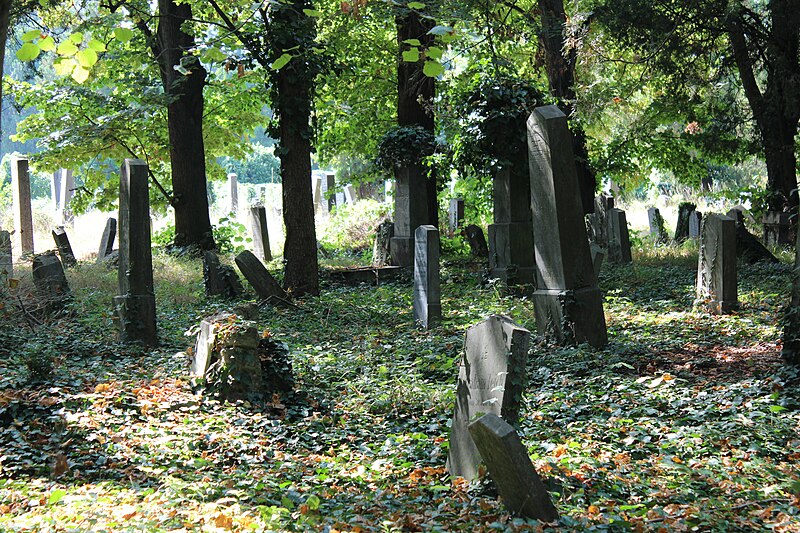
[415, 92]
[560, 70]
[185, 123]
[5, 17]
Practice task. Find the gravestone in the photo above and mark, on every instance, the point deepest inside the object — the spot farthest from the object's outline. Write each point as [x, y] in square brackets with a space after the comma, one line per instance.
[64, 248]
[511, 250]
[50, 281]
[258, 226]
[219, 279]
[695, 219]
[135, 307]
[511, 469]
[55, 193]
[619, 243]
[657, 227]
[491, 378]
[685, 210]
[349, 193]
[67, 185]
[328, 194]
[427, 295]
[316, 186]
[598, 254]
[477, 241]
[233, 191]
[716, 269]
[777, 228]
[6, 257]
[107, 240]
[597, 223]
[568, 304]
[381, 255]
[259, 277]
[21, 193]
[748, 248]
[455, 215]
[410, 212]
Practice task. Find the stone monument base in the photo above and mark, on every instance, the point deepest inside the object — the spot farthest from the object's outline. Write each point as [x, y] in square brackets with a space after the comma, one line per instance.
[511, 254]
[571, 316]
[402, 250]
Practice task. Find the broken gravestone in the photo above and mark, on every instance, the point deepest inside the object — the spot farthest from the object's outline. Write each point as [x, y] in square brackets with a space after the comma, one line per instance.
[511, 469]
[716, 269]
[491, 378]
[64, 247]
[258, 226]
[219, 279]
[50, 281]
[107, 240]
[381, 255]
[477, 241]
[748, 248]
[259, 277]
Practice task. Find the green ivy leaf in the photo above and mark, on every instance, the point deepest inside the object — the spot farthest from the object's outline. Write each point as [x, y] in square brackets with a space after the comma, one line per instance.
[281, 62]
[313, 502]
[416, 5]
[67, 49]
[214, 54]
[29, 36]
[123, 35]
[28, 52]
[56, 496]
[433, 69]
[97, 46]
[86, 58]
[312, 13]
[47, 44]
[413, 42]
[411, 56]
[440, 30]
[434, 52]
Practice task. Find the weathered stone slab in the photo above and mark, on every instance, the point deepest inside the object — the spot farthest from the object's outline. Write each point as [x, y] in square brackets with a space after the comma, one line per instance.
[716, 269]
[695, 219]
[369, 275]
[598, 254]
[107, 240]
[511, 249]
[477, 241]
[316, 187]
[685, 210]
[597, 224]
[329, 192]
[748, 248]
[65, 197]
[219, 279]
[657, 228]
[233, 191]
[381, 252]
[21, 197]
[410, 212]
[50, 280]
[135, 307]
[258, 227]
[427, 294]
[64, 247]
[777, 228]
[259, 277]
[491, 378]
[349, 193]
[619, 243]
[511, 469]
[567, 303]
[6, 257]
[455, 215]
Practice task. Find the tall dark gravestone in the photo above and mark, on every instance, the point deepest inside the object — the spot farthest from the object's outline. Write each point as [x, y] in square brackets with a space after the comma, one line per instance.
[477, 241]
[427, 294]
[107, 239]
[511, 253]
[685, 210]
[491, 378]
[455, 215]
[328, 192]
[716, 270]
[21, 194]
[568, 304]
[619, 242]
[135, 307]
[777, 228]
[410, 212]
[64, 247]
[258, 226]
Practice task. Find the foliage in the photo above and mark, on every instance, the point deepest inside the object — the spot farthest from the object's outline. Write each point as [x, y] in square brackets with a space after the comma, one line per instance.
[351, 229]
[405, 145]
[231, 236]
[260, 166]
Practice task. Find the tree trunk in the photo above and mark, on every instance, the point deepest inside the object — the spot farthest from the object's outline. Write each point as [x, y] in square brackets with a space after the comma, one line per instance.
[185, 123]
[415, 92]
[561, 79]
[5, 17]
[791, 324]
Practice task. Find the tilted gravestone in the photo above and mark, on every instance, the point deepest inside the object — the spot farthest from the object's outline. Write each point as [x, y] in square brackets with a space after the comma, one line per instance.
[477, 241]
[21, 194]
[685, 210]
[381, 254]
[427, 296]
[258, 226]
[349, 193]
[50, 280]
[233, 191]
[455, 215]
[598, 255]
[777, 228]
[219, 279]
[135, 307]
[6, 257]
[491, 378]
[748, 247]
[259, 277]
[107, 240]
[657, 228]
[716, 269]
[511, 249]
[64, 247]
[568, 304]
[619, 243]
[695, 219]
[410, 212]
[511, 469]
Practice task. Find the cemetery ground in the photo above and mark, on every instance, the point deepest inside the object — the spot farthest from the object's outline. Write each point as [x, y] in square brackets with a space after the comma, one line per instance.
[685, 421]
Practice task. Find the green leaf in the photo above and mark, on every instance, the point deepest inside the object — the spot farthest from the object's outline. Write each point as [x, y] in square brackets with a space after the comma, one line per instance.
[67, 49]
[76, 37]
[86, 58]
[47, 44]
[416, 5]
[29, 36]
[313, 502]
[64, 67]
[97, 46]
[411, 56]
[434, 52]
[433, 69]
[214, 54]
[776, 408]
[440, 30]
[28, 52]
[413, 42]
[312, 13]
[123, 35]
[281, 62]
[56, 496]
[80, 74]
